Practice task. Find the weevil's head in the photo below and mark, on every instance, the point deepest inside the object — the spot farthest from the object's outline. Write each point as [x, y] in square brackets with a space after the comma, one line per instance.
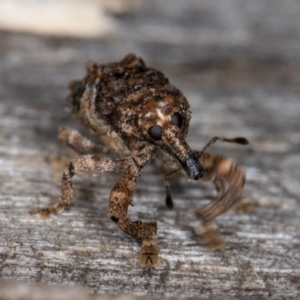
[164, 123]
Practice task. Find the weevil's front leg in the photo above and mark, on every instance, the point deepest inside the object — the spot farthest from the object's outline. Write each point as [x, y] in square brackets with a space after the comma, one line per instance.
[120, 199]
[82, 164]
[220, 186]
[79, 143]
[220, 170]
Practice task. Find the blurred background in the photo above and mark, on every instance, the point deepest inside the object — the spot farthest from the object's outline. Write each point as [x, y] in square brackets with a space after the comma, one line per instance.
[237, 62]
[236, 49]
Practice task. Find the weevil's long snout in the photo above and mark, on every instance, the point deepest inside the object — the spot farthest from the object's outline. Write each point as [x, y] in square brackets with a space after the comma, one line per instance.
[192, 167]
[182, 151]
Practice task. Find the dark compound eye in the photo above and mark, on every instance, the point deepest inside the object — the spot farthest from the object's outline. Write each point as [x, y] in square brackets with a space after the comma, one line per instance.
[155, 132]
[177, 120]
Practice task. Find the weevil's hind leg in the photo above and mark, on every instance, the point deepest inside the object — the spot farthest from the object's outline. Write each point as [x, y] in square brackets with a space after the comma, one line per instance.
[120, 199]
[220, 170]
[78, 142]
[82, 164]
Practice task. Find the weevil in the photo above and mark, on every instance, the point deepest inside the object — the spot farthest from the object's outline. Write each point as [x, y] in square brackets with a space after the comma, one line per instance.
[137, 114]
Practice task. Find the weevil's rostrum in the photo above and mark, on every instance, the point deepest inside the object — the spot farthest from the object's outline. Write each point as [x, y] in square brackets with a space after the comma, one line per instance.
[137, 114]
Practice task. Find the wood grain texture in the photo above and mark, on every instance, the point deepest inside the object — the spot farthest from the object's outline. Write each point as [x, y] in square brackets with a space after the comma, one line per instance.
[246, 91]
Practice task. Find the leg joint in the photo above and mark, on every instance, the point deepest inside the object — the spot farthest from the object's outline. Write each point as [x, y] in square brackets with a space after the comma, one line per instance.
[114, 219]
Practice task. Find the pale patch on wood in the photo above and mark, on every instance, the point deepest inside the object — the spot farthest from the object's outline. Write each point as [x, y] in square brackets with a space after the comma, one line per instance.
[61, 17]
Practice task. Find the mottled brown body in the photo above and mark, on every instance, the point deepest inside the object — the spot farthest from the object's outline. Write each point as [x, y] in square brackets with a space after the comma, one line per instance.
[137, 114]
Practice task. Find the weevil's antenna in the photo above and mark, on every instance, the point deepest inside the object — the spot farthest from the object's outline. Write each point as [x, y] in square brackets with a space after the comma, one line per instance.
[169, 200]
[237, 140]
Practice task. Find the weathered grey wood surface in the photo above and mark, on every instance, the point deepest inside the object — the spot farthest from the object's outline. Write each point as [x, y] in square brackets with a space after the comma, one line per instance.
[238, 64]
